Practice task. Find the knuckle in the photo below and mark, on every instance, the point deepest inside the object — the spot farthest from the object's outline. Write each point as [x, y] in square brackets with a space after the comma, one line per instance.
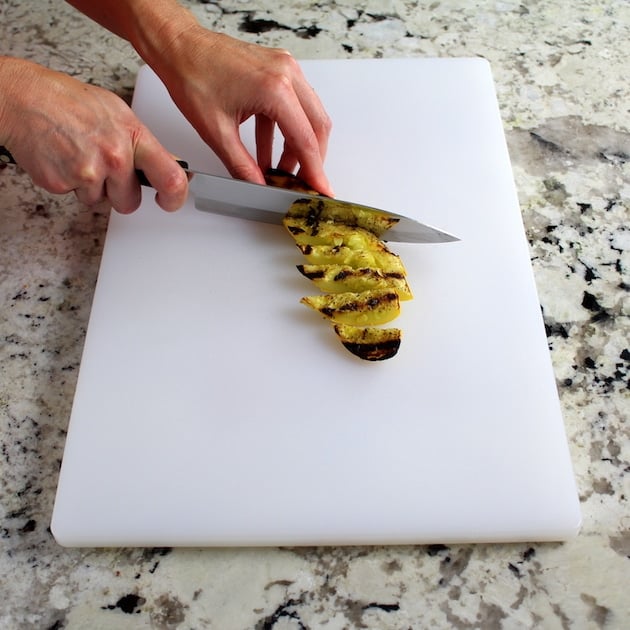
[242, 171]
[284, 58]
[88, 175]
[276, 83]
[172, 190]
[323, 126]
[175, 182]
[280, 74]
[116, 159]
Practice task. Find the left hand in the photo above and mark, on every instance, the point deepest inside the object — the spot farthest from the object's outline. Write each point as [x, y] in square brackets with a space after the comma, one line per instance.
[218, 82]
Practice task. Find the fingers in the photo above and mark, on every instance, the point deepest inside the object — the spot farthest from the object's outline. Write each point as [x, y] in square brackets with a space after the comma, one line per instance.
[90, 188]
[167, 177]
[264, 142]
[303, 122]
[226, 143]
[302, 144]
[114, 178]
[316, 114]
[123, 192]
[218, 82]
[110, 178]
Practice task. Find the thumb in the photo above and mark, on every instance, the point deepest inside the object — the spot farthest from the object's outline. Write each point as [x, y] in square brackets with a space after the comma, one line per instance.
[165, 174]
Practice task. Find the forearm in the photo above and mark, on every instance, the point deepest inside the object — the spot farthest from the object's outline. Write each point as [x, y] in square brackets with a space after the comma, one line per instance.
[151, 26]
[7, 75]
[218, 82]
[18, 80]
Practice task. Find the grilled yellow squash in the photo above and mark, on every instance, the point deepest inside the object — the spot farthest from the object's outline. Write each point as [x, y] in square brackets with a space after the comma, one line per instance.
[357, 258]
[362, 281]
[343, 279]
[369, 308]
[324, 209]
[282, 179]
[370, 344]
[331, 233]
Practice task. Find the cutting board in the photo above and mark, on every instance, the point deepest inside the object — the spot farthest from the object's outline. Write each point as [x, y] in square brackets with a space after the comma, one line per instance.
[213, 409]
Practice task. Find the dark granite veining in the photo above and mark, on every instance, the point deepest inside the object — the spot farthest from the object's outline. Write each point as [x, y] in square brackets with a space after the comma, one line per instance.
[561, 75]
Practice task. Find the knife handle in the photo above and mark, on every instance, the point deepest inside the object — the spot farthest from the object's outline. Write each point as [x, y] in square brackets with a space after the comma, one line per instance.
[7, 158]
[144, 180]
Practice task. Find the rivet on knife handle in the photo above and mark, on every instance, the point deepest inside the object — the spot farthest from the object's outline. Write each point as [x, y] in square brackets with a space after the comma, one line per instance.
[6, 157]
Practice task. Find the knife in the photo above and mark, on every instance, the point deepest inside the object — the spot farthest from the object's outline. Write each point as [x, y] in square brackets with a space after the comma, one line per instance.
[269, 204]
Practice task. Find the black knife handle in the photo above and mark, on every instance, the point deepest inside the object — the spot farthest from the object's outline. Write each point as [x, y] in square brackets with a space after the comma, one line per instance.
[7, 158]
[144, 180]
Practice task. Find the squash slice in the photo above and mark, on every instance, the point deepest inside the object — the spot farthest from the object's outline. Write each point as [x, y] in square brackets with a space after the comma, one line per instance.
[361, 280]
[369, 308]
[357, 258]
[343, 279]
[370, 344]
[334, 234]
[324, 209]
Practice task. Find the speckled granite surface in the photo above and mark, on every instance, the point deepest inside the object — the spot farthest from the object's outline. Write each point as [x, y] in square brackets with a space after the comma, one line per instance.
[561, 71]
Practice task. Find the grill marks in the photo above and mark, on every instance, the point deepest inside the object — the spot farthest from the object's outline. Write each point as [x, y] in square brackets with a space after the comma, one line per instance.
[371, 344]
[362, 281]
[382, 259]
[366, 308]
[323, 210]
[342, 278]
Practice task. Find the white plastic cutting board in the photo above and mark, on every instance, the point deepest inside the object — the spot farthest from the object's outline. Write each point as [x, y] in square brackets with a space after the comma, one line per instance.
[213, 409]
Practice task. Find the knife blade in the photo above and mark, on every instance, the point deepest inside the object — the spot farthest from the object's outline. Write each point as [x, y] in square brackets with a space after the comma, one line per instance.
[269, 204]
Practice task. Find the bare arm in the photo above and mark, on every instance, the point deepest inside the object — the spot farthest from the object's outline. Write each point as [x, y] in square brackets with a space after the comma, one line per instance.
[218, 82]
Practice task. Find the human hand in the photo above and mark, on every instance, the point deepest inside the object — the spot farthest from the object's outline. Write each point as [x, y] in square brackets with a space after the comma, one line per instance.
[218, 82]
[70, 136]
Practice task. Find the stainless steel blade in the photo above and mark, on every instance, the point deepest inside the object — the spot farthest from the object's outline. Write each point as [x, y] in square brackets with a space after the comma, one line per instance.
[269, 204]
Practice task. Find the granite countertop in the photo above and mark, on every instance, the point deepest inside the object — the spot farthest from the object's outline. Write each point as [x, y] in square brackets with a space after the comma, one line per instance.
[561, 70]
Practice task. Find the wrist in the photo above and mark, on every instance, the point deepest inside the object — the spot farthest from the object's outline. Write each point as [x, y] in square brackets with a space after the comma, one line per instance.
[11, 70]
[160, 38]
